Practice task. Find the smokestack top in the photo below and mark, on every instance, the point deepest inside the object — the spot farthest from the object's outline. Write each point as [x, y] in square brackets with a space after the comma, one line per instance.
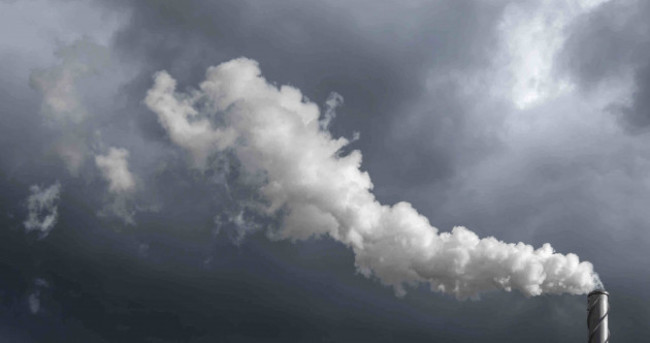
[598, 316]
[598, 291]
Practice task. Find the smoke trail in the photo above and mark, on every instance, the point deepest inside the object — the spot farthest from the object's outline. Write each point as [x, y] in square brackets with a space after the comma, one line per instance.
[276, 131]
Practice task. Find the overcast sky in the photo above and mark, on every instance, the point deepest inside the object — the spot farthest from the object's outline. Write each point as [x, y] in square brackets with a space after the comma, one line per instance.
[133, 211]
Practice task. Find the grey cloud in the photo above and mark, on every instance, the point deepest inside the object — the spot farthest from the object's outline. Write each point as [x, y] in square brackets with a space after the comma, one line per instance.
[62, 103]
[120, 206]
[424, 139]
[34, 298]
[375, 60]
[34, 302]
[636, 115]
[608, 44]
[602, 43]
[58, 84]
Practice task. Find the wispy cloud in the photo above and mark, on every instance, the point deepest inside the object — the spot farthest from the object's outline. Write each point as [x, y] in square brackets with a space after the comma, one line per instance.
[42, 206]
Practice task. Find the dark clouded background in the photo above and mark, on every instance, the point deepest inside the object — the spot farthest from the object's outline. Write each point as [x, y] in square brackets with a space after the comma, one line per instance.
[523, 120]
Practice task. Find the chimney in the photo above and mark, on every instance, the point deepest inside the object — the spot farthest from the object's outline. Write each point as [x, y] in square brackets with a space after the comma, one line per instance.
[598, 316]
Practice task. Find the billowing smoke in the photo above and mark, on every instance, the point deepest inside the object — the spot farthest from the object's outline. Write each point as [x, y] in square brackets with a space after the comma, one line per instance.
[276, 132]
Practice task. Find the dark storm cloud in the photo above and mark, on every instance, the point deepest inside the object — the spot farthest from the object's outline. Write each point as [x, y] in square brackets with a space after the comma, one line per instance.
[376, 60]
[262, 291]
[607, 44]
[381, 78]
[636, 115]
[422, 141]
[364, 51]
[604, 42]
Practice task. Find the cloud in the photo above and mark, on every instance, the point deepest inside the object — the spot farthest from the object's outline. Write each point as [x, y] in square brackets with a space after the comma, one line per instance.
[608, 48]
[532, 34]
[62, 102]
[71, 148]
[121, 206]
[275, 131]
[34, 298]
[58, 84]
[42, 207]
[115, 169]
[549, 175]
[636, 114]
[180, 120]
[34, 302]
[371, 57]
[333, 101]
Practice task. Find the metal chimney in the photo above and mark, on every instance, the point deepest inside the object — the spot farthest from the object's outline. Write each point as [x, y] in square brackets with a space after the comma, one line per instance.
[598, 316]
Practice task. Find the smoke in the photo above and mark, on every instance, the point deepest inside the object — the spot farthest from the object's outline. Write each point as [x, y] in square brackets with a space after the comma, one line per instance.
[65, 87]
[178, 116]
[115, 169]
[275, 132]
[334, 100]
[34, 299]
[43, 209]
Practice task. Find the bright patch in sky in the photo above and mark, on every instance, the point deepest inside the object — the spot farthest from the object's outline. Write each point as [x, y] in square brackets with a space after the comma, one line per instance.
[532, 37]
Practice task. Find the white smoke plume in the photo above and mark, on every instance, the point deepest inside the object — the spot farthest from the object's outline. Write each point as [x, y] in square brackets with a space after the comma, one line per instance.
[277, 132]
[334, 100]
[42, 207]
[178, 116]
[115, 169]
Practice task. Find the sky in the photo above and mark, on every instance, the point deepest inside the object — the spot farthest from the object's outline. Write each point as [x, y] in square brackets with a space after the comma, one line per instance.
[322, 171]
